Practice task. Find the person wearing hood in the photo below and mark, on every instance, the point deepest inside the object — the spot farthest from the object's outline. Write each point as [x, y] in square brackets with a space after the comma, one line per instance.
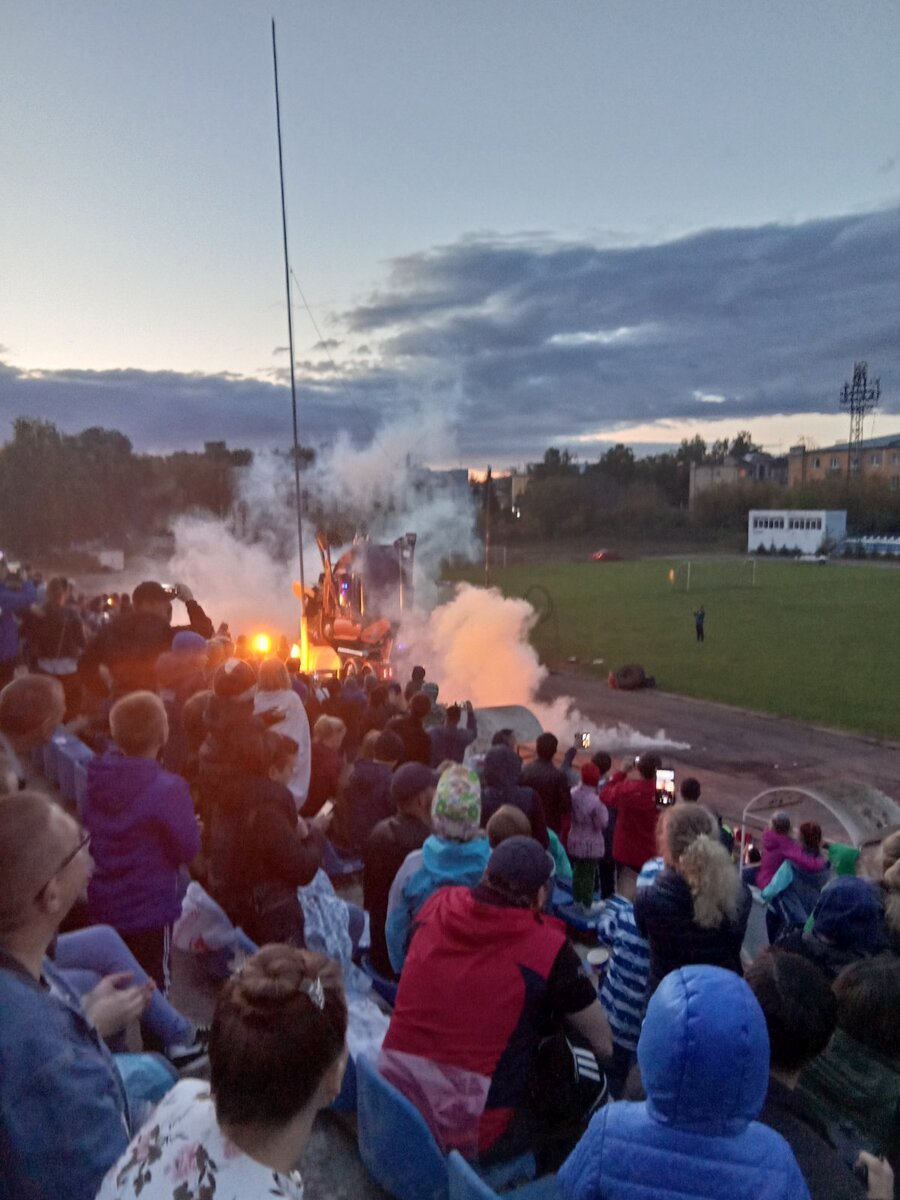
[489, 982]
[143, 830]
[704, 1059]
[779, 847]
[275, 695]
[847, 924]
[456, 853]
[502, 773]
[180, 674]
[130, 644]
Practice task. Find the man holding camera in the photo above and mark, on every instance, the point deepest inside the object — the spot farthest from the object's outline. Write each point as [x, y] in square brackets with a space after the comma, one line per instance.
[130, 644]
[17, 594]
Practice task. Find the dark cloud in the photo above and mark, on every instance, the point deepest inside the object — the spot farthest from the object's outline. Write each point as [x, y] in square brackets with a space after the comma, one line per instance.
[530, 341]
[549, 341]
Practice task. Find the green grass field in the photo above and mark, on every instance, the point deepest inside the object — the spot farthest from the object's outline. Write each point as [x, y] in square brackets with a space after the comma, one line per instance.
[819, 643]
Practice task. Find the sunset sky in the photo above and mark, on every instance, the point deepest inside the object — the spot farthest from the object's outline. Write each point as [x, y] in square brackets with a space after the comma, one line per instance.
[555, 222]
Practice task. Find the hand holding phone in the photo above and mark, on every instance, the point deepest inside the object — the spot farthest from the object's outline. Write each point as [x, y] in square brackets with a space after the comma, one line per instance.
[583, 741]
[322, 819]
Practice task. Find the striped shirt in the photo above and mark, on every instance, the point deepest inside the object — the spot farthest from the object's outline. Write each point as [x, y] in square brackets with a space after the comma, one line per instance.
[624, 991]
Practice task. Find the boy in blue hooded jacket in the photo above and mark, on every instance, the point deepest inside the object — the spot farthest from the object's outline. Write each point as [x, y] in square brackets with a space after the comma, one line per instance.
[143, 830]
[704, 1059]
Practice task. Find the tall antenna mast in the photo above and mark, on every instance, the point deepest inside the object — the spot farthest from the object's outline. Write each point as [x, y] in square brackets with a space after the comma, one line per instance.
[287, 287]
[858, 398]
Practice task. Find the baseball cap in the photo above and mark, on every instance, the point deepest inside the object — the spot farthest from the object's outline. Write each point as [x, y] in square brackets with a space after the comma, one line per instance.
[410, 779]
[150, 592]
[519, 867]
[234, 680]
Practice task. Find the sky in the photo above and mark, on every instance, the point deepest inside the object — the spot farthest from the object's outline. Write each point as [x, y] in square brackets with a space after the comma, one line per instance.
[553, 223]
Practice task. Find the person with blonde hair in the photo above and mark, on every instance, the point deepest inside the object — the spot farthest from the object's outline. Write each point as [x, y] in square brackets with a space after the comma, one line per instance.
[327, 763]
[697, 909]
[274, 695]
[277, 1055]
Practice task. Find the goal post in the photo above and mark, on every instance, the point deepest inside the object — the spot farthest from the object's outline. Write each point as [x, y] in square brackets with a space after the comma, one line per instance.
[692, 575]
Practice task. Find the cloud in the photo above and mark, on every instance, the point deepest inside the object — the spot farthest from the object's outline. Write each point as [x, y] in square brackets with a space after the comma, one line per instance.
[524, 341]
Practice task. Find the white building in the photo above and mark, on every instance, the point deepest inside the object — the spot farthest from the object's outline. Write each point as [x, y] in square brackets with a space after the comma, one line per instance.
[802, 530]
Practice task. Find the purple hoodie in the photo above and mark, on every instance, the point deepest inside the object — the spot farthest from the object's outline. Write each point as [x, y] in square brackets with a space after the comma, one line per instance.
[143, 828]
[778, 847]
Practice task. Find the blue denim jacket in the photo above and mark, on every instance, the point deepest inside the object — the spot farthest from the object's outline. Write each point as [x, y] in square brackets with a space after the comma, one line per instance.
[64, 1109]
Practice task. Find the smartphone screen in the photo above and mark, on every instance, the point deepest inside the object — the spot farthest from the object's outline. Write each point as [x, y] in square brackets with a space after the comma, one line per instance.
[327, 808]
[665, 788]
[583, 741]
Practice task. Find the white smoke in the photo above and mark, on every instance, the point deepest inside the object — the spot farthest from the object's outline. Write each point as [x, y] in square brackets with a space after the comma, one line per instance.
[477, 647]
[242, 570]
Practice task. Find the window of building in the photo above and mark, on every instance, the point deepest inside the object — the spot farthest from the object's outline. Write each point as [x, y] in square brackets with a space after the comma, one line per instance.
[875, 460]
[895, 459]
[817, 524]
[895, 483]
[817, 462]
[835, 464]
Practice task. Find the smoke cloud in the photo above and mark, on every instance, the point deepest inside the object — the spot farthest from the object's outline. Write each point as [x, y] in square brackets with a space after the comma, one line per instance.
[477, 647]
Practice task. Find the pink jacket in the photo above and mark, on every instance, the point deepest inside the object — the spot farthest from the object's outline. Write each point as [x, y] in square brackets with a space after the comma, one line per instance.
[780, 846]
[589, 818]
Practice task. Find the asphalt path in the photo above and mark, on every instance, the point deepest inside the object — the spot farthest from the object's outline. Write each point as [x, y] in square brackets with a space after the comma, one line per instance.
[734, 753]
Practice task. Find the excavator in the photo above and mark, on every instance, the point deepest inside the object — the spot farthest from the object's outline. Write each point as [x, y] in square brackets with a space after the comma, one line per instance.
[353, 613]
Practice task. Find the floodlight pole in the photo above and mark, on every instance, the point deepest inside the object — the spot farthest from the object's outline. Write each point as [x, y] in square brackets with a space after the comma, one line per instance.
[858, 398]
[290, 321]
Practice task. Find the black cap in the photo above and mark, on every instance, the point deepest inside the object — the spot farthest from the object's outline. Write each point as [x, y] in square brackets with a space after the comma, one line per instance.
[410, 779]
[519, 867]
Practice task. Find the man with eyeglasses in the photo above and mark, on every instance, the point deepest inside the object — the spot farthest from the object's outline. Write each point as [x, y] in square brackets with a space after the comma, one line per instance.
[65, 1114]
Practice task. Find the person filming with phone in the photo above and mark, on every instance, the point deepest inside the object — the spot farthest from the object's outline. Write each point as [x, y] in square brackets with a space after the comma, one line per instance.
[635, 802]
[130, 644]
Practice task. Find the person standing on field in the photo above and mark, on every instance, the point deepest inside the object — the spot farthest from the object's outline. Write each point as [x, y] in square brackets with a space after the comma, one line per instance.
[699, 618]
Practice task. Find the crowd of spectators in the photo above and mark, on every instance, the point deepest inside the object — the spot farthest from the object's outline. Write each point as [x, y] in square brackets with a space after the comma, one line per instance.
[678, 1067]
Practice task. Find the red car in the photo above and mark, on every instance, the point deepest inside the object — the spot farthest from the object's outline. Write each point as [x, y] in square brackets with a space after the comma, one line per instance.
[606, 556]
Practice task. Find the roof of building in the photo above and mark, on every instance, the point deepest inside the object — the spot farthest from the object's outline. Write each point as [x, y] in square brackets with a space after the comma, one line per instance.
[879, 443]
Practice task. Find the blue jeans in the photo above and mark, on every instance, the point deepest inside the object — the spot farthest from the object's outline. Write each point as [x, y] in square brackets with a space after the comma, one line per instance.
[86, 955]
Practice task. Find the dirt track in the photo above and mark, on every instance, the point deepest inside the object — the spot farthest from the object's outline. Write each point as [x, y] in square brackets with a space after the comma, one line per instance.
[735, 753]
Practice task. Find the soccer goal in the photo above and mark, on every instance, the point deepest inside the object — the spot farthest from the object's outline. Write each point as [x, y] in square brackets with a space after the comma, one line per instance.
[712, 574]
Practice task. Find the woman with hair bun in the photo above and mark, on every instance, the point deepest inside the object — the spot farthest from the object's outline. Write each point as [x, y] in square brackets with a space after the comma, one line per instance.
[697, 909]
[277, 1053]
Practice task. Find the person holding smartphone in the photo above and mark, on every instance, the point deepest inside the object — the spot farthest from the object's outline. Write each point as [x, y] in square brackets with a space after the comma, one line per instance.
[634, 801]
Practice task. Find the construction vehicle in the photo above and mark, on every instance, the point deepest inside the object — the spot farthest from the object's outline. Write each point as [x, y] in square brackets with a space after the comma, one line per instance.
[353, 613]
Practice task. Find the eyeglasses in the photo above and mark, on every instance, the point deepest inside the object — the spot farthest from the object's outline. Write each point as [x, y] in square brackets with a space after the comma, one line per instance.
[83, 843]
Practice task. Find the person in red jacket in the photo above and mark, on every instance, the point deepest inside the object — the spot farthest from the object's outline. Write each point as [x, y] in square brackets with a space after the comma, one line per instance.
[634, 801]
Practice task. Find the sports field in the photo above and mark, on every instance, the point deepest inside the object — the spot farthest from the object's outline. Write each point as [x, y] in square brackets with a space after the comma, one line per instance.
[818, 643]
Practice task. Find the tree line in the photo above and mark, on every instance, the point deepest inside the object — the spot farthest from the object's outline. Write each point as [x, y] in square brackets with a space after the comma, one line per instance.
[623, 497]
[60, 490]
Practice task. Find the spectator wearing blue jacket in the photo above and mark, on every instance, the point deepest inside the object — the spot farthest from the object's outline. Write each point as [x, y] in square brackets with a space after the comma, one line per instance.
[65, 1103]
[142, 823]
[704, 1059]
[455, 854]
[17, 594]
